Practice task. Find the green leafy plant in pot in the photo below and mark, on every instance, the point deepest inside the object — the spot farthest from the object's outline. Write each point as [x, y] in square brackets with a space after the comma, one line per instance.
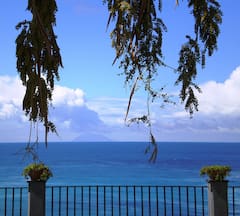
[216, 172]
[37, 172]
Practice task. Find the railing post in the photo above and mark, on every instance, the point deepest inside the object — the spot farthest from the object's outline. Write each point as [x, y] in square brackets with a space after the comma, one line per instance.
[218, 198]
[36, 198]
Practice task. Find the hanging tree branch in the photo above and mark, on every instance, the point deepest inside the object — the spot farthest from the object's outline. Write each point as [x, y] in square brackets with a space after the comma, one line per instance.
[208, 17]
[38, 61]
[137, 40]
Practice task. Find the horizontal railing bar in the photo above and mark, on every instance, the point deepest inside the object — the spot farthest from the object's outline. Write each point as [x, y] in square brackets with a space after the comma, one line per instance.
[110, 185]
[47, 186]
[13, 187]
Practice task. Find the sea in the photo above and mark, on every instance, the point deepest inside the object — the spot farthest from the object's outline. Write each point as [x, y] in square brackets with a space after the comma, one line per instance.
[121, 163]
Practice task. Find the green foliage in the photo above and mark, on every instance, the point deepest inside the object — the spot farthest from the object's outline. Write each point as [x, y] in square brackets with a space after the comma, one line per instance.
[208, 17]
[216, 172]
[38, 60]
[37, 172]
[137, 39]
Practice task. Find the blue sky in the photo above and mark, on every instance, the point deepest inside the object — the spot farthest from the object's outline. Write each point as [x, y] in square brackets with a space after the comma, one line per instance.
[90, 99]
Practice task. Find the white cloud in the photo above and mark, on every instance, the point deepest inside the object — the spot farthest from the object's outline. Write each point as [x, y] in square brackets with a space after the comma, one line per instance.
[12, 93]
[67, 96]
[67, 123]
[7, 110]
[111, 110]
[11, 90]
[221, 98]
[10, 97]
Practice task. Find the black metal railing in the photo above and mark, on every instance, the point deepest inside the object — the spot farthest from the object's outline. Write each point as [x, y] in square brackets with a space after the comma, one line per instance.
[117, 200]
[234, 200]
[127, 200]
[13, 201]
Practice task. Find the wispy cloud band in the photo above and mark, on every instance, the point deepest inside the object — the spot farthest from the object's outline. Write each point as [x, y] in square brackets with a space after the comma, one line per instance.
[80, 118]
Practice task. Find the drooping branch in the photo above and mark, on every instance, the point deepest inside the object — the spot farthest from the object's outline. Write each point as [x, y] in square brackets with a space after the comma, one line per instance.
[208, 17]
[38, 60]
[137, 40]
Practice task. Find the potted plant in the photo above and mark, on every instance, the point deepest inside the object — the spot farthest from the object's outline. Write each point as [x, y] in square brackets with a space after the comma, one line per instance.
[217, 189]
[216, 172]
[37, 172]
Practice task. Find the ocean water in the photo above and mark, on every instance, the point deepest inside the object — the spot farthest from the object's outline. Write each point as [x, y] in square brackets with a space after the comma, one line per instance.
[121, 163]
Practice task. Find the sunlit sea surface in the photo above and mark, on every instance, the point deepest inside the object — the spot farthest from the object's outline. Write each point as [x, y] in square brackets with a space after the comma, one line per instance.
[121, 163]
